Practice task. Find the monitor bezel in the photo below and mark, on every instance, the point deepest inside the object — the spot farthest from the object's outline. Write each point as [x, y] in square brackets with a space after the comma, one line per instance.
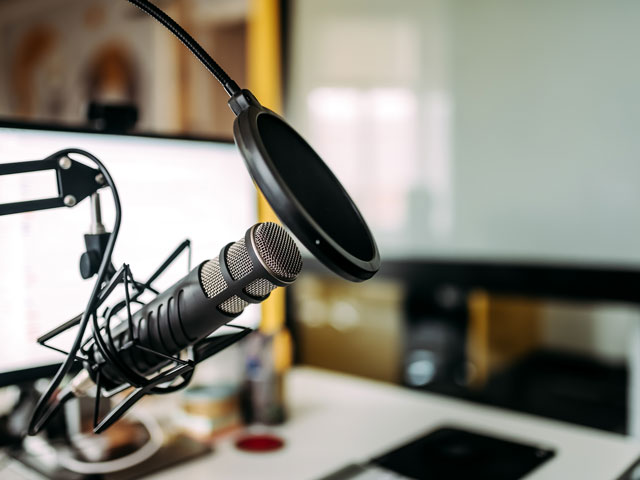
[64, 128]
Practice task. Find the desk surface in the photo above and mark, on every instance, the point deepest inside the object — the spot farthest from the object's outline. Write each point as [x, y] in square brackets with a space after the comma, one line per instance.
[338, 419]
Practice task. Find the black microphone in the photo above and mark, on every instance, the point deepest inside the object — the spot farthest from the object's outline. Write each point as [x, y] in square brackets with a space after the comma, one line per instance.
[211, 295]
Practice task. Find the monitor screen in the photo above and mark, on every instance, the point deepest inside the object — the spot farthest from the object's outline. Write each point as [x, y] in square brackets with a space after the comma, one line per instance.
[169, 190]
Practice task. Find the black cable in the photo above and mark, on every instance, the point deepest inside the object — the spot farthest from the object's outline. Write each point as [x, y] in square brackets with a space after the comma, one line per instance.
[44, 409]
[229, 85]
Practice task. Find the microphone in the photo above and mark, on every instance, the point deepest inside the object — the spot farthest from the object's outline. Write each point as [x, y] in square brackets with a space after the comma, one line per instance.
[304, 194]
[211, 295]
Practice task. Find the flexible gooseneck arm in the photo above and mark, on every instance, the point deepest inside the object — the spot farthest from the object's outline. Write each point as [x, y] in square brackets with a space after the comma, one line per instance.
[149, 8]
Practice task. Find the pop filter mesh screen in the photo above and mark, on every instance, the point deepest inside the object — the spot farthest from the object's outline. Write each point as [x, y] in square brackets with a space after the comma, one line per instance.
[315, 187]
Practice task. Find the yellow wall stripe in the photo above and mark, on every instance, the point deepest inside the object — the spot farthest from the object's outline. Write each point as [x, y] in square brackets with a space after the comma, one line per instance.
[264, 79]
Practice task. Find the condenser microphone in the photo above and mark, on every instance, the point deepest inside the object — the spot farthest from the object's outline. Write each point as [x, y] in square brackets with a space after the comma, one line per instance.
[210, 296]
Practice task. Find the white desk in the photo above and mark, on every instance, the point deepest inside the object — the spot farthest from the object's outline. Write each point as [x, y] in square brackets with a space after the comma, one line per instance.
[338, 419]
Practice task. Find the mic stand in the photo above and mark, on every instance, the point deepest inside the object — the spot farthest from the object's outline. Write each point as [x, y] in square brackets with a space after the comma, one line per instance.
[95, 242]
[77, 181]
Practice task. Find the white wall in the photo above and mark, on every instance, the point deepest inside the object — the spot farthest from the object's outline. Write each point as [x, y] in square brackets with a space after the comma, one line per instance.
[523, 140]
[369, 79]
[547, 110]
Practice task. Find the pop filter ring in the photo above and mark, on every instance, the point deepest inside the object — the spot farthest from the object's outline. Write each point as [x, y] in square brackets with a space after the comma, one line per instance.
[285, 203]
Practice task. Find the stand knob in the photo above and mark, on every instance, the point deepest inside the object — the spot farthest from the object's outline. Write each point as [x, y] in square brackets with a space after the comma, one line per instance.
[89, 264]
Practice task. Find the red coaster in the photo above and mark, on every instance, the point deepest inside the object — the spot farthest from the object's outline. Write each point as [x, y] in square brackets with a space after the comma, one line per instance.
[259, 443]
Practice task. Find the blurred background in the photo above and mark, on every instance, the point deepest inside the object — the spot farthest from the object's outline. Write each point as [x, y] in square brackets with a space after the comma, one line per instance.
[491, 145]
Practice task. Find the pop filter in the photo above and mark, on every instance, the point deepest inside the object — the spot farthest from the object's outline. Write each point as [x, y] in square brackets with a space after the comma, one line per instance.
[298, 185]
[303, 191]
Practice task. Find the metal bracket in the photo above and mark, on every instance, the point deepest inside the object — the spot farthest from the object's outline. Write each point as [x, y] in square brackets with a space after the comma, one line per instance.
[75, 181]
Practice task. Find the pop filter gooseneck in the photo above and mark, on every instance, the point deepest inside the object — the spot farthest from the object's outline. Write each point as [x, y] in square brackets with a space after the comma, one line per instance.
[301, 189]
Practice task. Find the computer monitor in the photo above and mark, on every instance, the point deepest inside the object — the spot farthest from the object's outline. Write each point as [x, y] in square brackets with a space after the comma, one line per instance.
[170, 189]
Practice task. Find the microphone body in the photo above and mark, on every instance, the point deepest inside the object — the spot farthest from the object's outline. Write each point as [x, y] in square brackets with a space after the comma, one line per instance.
[208, 297]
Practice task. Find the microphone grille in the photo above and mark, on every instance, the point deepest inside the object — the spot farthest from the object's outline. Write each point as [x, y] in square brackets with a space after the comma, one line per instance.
[238, 260]
[213, 283]
[275, 248]
[278, 251]
[211, 279]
